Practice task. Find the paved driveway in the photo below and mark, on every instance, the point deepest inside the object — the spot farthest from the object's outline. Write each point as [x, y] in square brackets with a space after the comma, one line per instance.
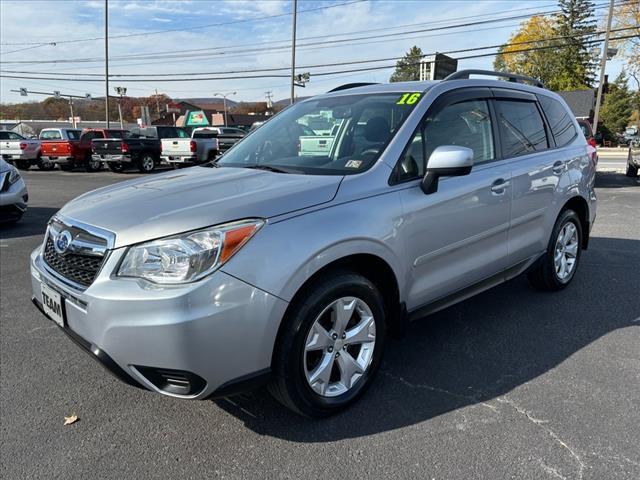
[513, 383]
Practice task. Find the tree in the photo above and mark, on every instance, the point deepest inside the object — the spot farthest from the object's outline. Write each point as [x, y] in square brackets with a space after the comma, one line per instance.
[627, 15]
[617, 107]
[558, 52]
[408, 67]
[519, 54]
[577, 24]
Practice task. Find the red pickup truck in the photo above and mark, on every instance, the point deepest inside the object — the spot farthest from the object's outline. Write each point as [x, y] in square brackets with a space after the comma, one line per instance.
[71, 148]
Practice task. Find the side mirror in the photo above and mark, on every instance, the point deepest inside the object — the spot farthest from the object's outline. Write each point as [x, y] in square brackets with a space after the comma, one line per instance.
[446, 161]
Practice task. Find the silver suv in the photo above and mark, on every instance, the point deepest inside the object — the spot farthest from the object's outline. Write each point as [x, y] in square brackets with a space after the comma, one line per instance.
[274, 266]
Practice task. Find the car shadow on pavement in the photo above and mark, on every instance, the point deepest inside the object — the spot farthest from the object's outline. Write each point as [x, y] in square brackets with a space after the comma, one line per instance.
[615, 180]
[34, 222]
[474, 352]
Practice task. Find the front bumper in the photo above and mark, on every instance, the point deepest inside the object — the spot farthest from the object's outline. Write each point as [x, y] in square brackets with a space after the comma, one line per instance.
[13, 202]
[219, 329]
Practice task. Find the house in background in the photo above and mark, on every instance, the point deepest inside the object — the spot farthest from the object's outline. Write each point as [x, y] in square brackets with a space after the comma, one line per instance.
[581, 102]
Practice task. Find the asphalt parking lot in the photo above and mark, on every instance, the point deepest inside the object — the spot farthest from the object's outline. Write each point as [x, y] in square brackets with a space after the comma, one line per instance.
[513, 383]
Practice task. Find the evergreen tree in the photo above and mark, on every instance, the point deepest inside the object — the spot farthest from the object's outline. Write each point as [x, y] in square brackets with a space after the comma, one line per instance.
[408, 67]
[577, 23]
[617, 107]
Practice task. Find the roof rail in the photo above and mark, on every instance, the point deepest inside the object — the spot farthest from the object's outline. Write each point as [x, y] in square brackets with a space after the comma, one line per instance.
[513, 77]
[347, 86]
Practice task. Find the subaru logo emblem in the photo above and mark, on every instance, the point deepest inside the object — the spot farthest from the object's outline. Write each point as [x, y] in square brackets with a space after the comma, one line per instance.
[62, 242]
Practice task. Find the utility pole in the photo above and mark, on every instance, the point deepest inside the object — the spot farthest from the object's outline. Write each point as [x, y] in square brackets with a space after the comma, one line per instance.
[603, 64]
[73, 119]
[268, 95]
[106, 61]
[157, 104]
[293, 51]
[121, 91]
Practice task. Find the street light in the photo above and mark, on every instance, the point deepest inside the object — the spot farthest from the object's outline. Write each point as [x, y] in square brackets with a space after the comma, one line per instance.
[224, 96]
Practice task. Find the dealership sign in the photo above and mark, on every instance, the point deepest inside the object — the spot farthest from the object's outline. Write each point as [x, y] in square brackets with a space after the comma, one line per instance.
[196, 118]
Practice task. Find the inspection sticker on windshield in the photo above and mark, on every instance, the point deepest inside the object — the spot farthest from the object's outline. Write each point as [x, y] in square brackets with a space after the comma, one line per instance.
[353, 164]
[409, 98]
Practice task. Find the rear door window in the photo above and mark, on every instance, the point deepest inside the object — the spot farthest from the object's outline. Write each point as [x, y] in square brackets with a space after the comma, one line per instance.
[522, 129]
[50, 135]
[560, 121]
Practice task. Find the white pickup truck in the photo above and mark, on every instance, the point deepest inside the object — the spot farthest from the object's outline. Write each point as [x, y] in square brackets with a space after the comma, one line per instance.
[201, 147]
[22, 152]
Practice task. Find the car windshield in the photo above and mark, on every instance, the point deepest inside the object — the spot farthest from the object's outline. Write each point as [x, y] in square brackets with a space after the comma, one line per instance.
[337, 135]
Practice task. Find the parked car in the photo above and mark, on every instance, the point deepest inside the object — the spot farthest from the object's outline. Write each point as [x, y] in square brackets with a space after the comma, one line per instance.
[140, 149]
[13, 194]
[585, 126]
[633, 158]
[228, 137]
[21, 151]
[201, 147]
[61, 146]
[630, 136]
[270, 266]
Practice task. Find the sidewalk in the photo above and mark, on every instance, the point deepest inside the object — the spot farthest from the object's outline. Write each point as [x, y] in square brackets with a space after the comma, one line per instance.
[612, 151]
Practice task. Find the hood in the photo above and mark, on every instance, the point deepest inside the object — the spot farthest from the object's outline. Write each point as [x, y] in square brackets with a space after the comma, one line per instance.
[197, 197]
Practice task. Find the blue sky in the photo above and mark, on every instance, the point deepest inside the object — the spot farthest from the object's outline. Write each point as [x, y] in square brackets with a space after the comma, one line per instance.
[60, 20]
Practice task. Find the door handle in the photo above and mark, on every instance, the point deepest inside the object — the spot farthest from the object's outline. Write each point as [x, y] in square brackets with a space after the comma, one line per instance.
[558, 167]
[499, 186]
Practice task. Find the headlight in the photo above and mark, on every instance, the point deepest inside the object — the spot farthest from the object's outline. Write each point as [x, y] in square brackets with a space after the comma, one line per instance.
[14, 176]
[187, 257]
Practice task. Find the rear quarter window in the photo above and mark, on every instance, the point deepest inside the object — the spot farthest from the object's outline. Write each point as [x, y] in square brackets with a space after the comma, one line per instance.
[73, 134]
[560, 121]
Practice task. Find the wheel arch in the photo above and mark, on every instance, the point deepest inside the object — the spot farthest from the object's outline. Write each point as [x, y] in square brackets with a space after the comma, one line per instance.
[579, 205]
[371, 266]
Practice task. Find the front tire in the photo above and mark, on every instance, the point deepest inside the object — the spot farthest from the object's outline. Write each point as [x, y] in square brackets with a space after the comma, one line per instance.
[560, 263]
[330, 345]
[146, 164]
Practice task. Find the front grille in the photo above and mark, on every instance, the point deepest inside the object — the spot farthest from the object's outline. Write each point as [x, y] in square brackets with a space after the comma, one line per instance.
[81, 269]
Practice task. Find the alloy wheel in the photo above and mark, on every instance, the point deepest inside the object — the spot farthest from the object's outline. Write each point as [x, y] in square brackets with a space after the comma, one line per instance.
[566, 252]
[339, 346]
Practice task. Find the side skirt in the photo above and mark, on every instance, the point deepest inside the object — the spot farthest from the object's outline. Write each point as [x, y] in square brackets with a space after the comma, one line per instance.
[470, 291]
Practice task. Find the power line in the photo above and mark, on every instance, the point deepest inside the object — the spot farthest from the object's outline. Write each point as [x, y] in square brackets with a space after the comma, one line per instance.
[271, 75]
[196, 27]
[181, 54]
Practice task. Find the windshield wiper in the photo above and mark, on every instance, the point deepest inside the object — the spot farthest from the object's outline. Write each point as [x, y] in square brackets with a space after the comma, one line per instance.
[269, 168]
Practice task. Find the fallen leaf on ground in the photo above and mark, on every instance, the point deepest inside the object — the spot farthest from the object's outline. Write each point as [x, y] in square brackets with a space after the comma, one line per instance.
[71, 419]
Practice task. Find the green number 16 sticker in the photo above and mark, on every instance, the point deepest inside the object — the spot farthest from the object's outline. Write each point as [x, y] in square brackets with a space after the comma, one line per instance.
[409, 99]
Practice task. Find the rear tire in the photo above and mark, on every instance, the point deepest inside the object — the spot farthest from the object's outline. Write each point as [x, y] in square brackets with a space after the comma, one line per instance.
[23, 164]
[146, 164]
[116, 167]
[560, 262]
[306, 347]
[46, 165]
[92, 165]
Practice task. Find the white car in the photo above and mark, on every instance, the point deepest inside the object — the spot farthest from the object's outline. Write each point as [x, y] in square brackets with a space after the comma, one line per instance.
[22, 152]
[13, 194]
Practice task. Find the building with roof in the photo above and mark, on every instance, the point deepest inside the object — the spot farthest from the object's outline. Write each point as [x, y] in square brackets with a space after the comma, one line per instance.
[581, 102]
